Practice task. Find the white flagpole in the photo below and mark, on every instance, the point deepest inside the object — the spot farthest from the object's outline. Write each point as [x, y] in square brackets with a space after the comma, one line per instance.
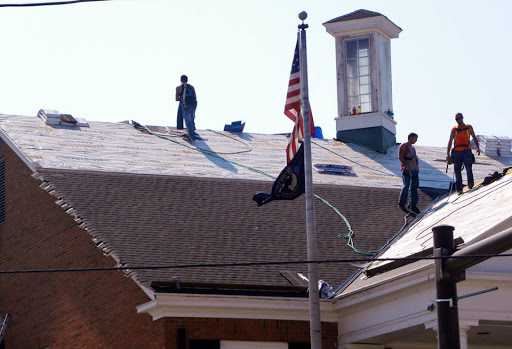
[314, 303]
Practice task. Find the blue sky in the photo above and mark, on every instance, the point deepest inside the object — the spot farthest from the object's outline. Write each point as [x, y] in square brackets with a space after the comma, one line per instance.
[122, 59]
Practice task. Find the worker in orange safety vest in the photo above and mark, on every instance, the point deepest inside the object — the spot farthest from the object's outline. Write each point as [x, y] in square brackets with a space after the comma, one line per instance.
[461, 153]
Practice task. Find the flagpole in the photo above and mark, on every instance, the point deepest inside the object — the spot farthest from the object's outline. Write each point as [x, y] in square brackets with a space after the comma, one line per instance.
[314, 302]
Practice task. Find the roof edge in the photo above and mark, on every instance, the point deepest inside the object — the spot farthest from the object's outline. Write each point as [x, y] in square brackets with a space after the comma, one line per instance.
[33, 167]
[47, 186]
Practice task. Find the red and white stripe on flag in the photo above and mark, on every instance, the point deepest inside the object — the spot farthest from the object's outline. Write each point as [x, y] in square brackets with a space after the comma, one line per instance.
[293, 108]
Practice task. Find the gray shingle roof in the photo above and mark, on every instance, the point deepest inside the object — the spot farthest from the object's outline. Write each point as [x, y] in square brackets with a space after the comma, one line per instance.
[153, 200]
[151, 220]
[358, 14]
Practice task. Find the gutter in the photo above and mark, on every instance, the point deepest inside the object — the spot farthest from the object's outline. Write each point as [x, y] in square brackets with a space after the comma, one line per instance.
[235, 307]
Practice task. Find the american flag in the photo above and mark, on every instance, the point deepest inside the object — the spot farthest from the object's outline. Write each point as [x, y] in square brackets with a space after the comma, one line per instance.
[292, 108]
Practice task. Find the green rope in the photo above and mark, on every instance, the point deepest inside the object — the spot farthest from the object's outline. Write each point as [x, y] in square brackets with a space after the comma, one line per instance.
[211, 153]
[349, 236]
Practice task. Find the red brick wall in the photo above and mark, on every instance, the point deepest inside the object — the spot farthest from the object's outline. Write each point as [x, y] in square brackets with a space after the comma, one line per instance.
[248, 330]
[91, 309]
[62, 310]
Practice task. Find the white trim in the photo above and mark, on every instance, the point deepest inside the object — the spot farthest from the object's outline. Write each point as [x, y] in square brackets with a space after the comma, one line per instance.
[148, 291]
[417, 276]
[361, 121]
[388, 29]
[238, 307]
[388, 327]
[16, 150]
[252, 345]
[488, 276]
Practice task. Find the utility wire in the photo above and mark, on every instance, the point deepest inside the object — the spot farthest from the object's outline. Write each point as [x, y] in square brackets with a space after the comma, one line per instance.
[34, 4]
[247, 264]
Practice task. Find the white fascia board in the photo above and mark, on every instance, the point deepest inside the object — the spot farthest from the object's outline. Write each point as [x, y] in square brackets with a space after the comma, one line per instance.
[401, 304]
[148, 291]
[424, 274]
[478, 275]
[479, 315]
[365, 332]
[17, 151]
[355, 122]
[238, 307]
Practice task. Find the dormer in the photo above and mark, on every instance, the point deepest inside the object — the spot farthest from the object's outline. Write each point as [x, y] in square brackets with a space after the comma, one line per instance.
[363, 66]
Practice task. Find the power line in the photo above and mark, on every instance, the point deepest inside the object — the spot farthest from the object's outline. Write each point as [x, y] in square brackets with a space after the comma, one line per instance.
[69, 2]
[248, 264]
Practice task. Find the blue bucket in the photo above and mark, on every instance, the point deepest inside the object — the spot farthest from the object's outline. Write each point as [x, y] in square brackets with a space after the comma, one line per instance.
[318, 133]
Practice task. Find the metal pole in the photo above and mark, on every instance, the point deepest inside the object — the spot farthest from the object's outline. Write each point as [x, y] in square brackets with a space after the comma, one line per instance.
[314, 303]
[446, 289]
[495, 244]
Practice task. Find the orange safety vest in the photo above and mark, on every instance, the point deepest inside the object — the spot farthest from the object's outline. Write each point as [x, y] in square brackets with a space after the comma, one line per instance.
[461, 139]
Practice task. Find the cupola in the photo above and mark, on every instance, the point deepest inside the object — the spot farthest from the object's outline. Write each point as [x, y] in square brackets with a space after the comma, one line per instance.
[364, 89]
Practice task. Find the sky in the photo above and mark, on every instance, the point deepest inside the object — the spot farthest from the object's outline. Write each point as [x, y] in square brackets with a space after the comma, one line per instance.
[122, 59]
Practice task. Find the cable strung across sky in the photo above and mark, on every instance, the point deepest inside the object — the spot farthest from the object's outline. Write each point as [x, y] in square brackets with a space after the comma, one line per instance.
[250, 264]
[48, 3]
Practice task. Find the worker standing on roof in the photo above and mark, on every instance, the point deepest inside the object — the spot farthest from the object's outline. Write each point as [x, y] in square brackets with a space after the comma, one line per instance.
[410, 174]
[461, 153]
[186, 95]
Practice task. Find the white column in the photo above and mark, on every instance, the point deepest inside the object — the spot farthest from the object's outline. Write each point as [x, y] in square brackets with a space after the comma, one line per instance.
[463, 332]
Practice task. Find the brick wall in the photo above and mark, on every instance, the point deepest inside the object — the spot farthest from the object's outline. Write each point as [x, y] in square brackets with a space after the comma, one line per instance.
[62, 310]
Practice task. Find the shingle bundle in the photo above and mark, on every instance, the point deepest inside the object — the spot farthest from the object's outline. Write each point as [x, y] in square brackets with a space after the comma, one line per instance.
[505, 146]
[495, 146]
[53, 117]
[50, 117]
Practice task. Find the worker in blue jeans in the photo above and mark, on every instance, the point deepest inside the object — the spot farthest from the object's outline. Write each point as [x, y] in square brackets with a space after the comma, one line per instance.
[410, 174]
[186, 95]
[461, 153]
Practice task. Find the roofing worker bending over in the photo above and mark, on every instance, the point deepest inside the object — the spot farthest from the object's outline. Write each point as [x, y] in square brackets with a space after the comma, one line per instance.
[461, 153]
[410, 171]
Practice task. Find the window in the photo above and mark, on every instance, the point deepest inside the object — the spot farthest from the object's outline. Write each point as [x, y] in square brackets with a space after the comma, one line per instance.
[358, 76]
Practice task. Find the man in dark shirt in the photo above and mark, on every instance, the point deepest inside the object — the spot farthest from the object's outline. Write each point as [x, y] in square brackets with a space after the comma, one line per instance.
[186, 95]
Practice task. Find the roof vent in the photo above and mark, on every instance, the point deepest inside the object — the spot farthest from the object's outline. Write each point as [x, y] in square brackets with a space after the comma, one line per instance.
[334, 169]
[53, 117]
[236, 126]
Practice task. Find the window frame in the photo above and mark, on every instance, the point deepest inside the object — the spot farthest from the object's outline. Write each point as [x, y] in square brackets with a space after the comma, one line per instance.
[364, 98]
